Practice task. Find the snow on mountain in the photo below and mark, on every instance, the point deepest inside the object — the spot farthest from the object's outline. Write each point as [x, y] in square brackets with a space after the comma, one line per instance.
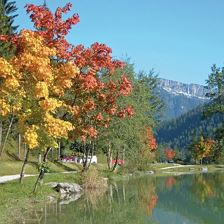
[178, 88]
[179, 98]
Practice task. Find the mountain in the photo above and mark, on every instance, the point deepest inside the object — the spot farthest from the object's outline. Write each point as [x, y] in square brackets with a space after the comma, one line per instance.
[179, 133]
[179, 98]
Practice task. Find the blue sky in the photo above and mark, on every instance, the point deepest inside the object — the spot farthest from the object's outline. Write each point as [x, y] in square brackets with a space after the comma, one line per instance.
[180, 39]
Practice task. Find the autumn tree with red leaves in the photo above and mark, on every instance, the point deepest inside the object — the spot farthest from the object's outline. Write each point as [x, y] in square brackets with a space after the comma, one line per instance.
[202, 148]
[169, 182]
[88, 94]
[92, 97]
[151, 140]
[126, 138]
[170, 154]
[93, 94]
[94, 90]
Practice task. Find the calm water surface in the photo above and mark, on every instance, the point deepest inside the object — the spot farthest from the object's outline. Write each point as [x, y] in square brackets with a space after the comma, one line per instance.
[189, 199]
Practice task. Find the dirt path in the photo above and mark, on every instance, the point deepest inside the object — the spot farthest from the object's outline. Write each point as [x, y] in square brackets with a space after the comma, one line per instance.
[7, 178]
[176, 166]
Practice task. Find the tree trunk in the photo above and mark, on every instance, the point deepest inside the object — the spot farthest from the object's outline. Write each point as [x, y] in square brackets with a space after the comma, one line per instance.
[7, 135]
[111, 192]
[0, 134]
[124, 192]
[39, 159]
[42, 171]
[85, 162]
[52, 155]
[91, 156]
[25, 149]
[116, 162]
[45, 158]
[59, 151]
[24, 165]
[84, 152]
[19, 146]
[109, 157]
[123, 155]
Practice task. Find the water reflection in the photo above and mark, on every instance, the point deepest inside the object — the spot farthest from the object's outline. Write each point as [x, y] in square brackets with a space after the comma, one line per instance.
[170, 181]
[203, 188]
[192, 199]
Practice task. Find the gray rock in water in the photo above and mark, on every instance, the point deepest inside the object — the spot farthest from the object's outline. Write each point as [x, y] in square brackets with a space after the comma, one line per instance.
[149, 172]
[68, 198]
[68, 188]
[51, 199]
[62, 191]
[204, 169]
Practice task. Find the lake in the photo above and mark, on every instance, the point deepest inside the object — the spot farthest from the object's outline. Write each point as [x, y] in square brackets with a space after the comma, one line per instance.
[187, 199]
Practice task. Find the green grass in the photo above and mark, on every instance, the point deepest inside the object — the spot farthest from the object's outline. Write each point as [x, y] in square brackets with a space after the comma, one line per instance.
[10, 167]
[15, 198]
[14, 167]
[67, 166]
[10, 164]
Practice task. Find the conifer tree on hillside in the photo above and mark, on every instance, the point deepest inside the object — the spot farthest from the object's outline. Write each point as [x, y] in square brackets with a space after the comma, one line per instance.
[215, 85]
[7, 15]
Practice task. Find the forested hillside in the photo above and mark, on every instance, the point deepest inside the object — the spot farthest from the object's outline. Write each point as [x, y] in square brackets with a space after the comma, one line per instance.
[179, 133]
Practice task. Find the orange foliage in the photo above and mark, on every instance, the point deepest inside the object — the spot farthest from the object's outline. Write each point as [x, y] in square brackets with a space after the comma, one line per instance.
[151, 140]
[170, 154]
[46, 67]
[170, 181]
[203, 148]
[152, 203]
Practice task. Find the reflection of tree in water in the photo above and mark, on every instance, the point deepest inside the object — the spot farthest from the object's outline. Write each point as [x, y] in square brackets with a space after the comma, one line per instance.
[94, 196]
[203, 188]
[37, 213]
[133, 202]
[170, 182]
[128, 202]
[147, 196]
[183, 200]
[151, 205]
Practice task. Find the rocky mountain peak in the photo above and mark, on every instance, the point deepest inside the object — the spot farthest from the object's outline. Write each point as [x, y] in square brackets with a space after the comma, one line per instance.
[178, 88]
[179, 98]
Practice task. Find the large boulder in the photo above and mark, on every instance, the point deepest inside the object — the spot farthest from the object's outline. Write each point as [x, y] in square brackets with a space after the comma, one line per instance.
[66, 188]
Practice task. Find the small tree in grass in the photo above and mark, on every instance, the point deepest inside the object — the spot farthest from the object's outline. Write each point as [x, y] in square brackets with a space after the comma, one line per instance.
[202, 148]
[170, 154]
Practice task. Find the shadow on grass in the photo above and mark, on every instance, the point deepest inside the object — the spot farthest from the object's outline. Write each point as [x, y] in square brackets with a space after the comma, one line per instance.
[64, 166]
[13, 156]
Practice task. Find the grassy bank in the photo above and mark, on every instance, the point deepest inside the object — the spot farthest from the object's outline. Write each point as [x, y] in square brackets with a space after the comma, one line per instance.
[9, 167]
[174, 169]
[16, 197]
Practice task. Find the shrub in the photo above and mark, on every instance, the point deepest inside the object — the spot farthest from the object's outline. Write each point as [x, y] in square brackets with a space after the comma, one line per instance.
[92, 180]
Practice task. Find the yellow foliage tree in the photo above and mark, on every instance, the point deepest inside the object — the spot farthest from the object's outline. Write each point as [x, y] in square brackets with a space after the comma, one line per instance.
[31, 88]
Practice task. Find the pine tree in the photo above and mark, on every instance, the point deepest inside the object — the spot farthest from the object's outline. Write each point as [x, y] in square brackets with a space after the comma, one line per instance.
[7, 10]
[215, 85]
